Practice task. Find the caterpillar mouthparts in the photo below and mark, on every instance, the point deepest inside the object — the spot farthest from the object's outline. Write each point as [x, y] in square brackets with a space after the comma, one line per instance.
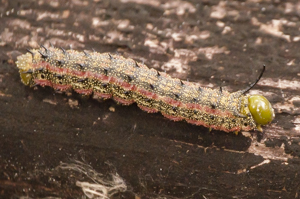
[127, 81]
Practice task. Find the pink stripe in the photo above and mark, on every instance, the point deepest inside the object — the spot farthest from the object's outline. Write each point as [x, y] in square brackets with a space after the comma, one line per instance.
[172, 102]
[84, 91]
[103, 95]
[147, 109]
[123, 101]
[61, 87]
[171, 117]
[43, 82]
[128, 86]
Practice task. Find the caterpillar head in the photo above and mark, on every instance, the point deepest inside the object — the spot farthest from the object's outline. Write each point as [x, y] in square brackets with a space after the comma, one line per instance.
[261, 110]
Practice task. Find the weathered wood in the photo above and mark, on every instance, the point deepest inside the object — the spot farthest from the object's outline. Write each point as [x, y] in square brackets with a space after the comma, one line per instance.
[213, 42]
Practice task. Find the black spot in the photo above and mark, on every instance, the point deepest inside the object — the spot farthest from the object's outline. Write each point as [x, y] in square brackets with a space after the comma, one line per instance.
[195, 112]
[174, 109]
[176, 95]
[30, 52]
[245, 124]
[59, 76]
[213, 106]
[126, 92]
[82, 66]
[130, 78]
[104, 85]
[158, 74]
[212, 117]
[151, 86]
[63, 50]
[27, 72]
[44, 56]
[39, 69]
[46, 49]
[60, 62]
[43, 76]
[105, 71]
[147, 100]
[195, 100]
[233, 120]
[81, 79]
[86, 54]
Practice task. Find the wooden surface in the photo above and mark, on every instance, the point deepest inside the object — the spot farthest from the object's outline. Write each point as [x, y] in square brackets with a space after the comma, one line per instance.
[215, 43]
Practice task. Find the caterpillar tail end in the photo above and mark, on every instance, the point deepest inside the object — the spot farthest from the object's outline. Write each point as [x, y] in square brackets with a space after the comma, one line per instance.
[24, 63]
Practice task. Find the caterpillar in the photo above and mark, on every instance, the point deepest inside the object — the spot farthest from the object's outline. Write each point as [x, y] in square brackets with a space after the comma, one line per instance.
[127, 81]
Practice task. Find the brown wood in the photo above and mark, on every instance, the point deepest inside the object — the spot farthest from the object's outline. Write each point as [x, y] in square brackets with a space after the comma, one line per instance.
[215, 43]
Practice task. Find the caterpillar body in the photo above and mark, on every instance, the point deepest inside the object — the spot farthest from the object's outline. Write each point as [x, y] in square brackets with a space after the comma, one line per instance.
[127, 81]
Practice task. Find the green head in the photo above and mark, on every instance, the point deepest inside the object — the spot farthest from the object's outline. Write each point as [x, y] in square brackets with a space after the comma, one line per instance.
[261, 110]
